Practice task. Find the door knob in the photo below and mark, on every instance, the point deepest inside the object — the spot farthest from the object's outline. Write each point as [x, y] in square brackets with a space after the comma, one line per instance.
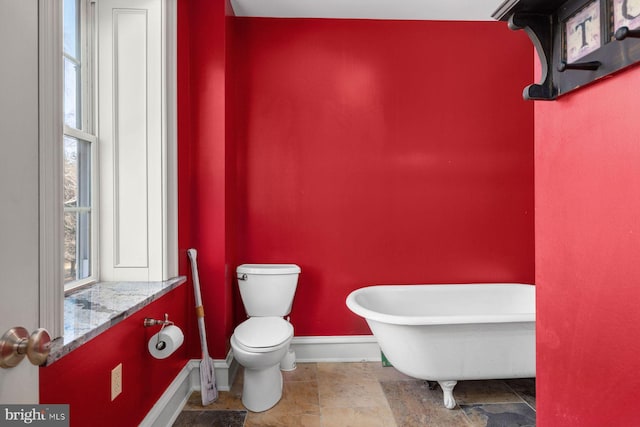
[17, 343]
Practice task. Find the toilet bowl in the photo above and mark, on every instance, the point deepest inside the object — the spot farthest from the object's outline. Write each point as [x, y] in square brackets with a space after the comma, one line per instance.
[259, 344]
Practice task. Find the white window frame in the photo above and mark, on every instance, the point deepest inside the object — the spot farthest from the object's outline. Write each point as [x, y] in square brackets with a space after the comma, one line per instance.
[51, 130]
[51, 166]
[88, 133]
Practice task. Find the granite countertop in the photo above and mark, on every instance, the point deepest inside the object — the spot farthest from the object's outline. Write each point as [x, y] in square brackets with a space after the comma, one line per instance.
[92, 310]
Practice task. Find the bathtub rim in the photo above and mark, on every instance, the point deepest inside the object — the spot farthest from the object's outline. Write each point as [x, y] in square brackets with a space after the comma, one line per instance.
[458, 319]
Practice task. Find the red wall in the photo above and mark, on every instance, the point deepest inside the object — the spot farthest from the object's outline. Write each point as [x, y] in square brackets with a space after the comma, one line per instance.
[207, 160]
[587, 246]
[82, 379]
[382, 152]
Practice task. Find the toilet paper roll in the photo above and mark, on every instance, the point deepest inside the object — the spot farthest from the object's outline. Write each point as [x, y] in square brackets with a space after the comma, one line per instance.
[165, 342]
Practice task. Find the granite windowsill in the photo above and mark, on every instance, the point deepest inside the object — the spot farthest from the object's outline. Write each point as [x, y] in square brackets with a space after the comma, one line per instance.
[90, 311]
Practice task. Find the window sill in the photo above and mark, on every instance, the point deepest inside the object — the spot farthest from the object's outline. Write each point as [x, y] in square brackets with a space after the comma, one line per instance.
[92, 310]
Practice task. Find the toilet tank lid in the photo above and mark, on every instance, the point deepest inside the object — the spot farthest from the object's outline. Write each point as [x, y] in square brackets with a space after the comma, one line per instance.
[268, 269]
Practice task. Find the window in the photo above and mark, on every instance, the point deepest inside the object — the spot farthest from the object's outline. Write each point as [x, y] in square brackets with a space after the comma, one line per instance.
[88, 235]
[79, 189]
[119, 160]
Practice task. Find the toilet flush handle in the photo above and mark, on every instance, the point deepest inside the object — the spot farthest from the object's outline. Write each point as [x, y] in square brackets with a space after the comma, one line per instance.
[242, 277]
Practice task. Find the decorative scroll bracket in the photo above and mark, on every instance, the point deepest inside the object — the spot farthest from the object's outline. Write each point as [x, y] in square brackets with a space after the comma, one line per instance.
[539, 28]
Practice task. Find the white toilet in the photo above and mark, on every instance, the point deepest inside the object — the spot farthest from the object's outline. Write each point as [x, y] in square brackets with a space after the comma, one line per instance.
[261, 342]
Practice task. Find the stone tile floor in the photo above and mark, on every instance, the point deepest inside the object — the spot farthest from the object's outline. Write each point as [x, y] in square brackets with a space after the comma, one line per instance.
[369, 395]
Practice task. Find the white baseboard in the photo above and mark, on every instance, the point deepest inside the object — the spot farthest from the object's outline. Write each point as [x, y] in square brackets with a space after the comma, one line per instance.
[170, 404]
[225, 371]
[349, 348]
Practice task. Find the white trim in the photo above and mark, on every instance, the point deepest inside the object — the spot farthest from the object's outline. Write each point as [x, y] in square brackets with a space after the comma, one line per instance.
[79, 134]
[170, 136]
[51, 169]
[168, 407]
[348, 348]
[225, 371]
[450, 10]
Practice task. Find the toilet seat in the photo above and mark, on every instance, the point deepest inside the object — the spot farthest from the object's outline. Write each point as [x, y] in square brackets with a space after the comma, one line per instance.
[262, 334]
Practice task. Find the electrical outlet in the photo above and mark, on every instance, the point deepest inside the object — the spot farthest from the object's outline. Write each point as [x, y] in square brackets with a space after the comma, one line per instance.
[116, 381]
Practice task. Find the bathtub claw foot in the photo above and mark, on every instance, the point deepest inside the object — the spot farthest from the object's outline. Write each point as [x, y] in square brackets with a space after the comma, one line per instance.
[447, 391]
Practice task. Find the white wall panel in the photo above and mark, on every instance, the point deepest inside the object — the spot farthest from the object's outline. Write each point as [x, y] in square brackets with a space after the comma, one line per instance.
[131, 243]
[131, 139]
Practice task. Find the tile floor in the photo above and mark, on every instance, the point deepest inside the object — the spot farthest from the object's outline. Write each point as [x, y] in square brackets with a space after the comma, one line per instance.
[369, 395]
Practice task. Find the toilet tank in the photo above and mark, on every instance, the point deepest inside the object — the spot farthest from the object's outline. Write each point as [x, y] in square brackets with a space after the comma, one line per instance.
[267, 289]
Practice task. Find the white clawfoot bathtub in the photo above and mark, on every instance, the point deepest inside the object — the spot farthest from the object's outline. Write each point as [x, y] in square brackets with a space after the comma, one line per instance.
[448, 333]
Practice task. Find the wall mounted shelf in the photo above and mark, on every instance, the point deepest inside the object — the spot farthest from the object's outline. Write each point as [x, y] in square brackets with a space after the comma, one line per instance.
[578, 41]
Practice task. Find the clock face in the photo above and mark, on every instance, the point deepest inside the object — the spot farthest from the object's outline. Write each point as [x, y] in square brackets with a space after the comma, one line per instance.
[583, 31]
[626, 13]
